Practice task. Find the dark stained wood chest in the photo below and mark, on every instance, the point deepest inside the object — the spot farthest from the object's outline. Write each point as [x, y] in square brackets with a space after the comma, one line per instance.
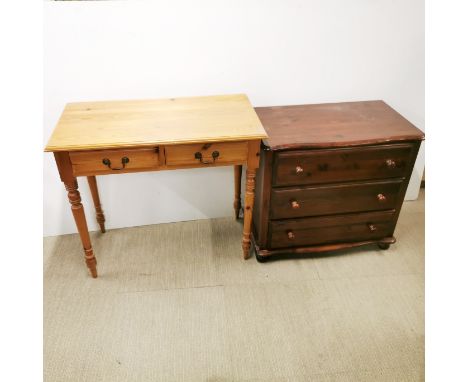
[331, 176]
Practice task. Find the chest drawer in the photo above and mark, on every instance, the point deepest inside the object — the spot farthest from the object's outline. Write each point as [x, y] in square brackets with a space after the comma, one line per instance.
[340, 165]
[200, 154]
[334, 199]
[313, 231]
[113, 161]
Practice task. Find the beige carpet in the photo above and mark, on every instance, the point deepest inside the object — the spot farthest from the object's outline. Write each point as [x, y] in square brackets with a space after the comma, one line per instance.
[175, 302]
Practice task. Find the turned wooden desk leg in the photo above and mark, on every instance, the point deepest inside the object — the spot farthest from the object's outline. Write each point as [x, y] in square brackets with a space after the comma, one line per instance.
[80, 220]
[237, 189]
[62, 158]
[252, 165]
[97, 202]
[248, 207]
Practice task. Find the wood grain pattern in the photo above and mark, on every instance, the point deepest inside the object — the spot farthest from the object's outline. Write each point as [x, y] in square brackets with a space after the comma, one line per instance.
[334, 125]
[229, 153]
[91, 162]
[340, 228]
[334, 199]
[121, 124]
[342, 165]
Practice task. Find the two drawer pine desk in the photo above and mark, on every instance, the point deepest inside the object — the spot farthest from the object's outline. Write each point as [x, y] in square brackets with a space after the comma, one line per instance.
[116, 137]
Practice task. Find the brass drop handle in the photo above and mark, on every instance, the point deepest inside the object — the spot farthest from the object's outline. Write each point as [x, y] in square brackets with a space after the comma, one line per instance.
[299, 169]
[381, 198]
[390, 163]
[107, 162]
[291, 235]
[295, 204]
[372, 227]
[199, 156]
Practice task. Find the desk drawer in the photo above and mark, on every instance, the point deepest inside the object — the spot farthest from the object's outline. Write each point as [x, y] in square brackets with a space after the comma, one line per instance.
[340, 165]
[313, 231]
[206, 154]
[334, 199]
[113, 161]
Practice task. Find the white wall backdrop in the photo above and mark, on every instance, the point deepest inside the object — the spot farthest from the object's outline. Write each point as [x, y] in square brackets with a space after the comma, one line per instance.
[277, 52]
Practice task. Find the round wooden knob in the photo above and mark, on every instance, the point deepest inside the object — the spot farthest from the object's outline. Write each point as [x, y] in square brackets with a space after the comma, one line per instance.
[372, 227]
[390, 163]
[295, 204]
[381, 198]
[291, 235]
[299, 170]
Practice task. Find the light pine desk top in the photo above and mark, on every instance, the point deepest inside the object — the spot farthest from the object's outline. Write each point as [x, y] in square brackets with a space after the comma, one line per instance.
[123, 124]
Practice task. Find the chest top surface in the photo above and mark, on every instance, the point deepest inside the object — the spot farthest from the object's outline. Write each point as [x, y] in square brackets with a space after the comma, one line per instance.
[114, 124]
[335, 125]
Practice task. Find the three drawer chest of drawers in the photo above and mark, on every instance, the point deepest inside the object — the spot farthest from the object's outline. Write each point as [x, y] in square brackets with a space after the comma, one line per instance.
[331, 176]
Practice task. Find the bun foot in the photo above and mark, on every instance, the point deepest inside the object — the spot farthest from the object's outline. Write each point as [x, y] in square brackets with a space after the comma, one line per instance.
[384, 245]
[261, 259]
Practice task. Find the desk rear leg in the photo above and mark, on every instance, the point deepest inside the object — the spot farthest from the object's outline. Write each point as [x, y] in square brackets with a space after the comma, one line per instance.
[97, 202]
[237, 189]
